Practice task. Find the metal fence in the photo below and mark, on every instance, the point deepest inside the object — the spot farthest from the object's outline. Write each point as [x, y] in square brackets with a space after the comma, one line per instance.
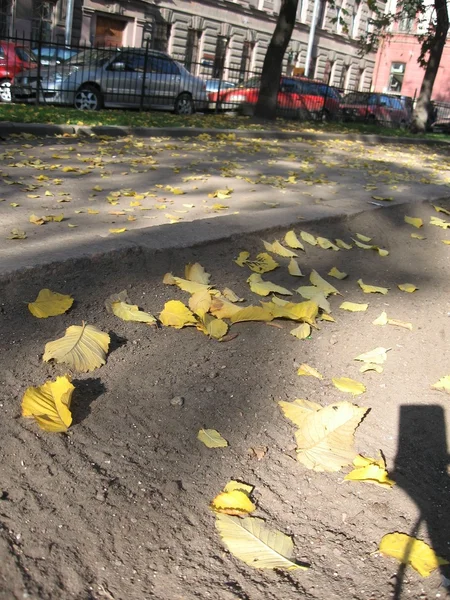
[90, 78]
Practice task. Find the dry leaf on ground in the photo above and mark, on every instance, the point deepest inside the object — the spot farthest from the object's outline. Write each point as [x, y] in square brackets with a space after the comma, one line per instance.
[305, 369]
[49, 404]
[354, 306]
[263, 263]
[212, 438]
[176, 314]
[234, 500]
[242, 258]
[294, 269]
[277, 248]
[301, 332]
[377, 356]
[326, 244]
[83, 348]
[50, 304]
[371, 471]
[213, 327]
[407, 287]
[411, 551]
[414, 221]
[443, 384]
[371, 289]
[195, 272]
[264, 288]
[251, 313]
[323, 285]
[308, 238]
[292, 241]
[337, 274]
[345, 384]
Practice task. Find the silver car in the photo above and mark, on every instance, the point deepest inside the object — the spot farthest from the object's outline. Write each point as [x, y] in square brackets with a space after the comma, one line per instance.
[127, 77]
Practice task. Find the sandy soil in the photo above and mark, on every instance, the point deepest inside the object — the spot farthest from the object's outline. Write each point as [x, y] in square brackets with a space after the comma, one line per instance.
[117, 508]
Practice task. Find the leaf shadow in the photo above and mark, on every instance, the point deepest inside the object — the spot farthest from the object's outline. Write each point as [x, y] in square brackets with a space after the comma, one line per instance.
[85, 393]
[116, 342]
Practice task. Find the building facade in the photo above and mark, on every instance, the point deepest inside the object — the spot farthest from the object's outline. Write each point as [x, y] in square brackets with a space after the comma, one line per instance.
[213, 38]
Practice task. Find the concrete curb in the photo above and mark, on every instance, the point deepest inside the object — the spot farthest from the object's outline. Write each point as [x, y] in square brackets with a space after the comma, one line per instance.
[42, 130]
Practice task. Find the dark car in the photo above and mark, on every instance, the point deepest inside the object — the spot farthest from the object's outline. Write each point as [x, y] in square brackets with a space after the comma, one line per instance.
[53, 54]
[375, 108]
[297, 97]
[14, 58]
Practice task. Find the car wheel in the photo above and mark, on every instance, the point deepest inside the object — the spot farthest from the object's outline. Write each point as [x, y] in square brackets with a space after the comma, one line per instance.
[5, 91]
[88, 97]
[184, 105]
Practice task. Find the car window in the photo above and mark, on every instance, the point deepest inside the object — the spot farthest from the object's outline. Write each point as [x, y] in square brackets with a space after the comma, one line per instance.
[396, 104]
[132, 62]
[162, 65]
[65, 54]
[253, 82]
[92, 58]
[25, 55]
[289, 86]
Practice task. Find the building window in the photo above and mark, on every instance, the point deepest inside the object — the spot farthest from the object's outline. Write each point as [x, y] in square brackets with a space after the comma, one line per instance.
[61, 10]
[405, 25]
[340, 23]
[396, 77]
[246, 61]
[327, 71]
[322, 14]
[192, 49]
[220, 56]
[356, 18]
[161, 37]
[41, 24]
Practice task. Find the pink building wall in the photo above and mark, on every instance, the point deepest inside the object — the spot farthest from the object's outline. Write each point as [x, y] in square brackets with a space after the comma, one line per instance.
[404, 48]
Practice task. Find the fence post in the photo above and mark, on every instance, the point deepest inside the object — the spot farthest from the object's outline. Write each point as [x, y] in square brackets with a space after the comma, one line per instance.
[38, 80]
[141, 99]
[216, 110]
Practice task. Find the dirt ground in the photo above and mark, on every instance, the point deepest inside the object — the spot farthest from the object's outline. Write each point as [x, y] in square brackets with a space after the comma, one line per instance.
[118, 508]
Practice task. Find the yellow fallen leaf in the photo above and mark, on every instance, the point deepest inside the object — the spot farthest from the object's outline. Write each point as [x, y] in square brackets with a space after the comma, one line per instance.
[224, 194]
[277, 248]
[377, 356]
[305, 369]
[97, 188]
[17, 234]
[345, 384]
[36, 220]
[323, 285]
[250, 540]
[298, 410]
[49, 404]
[362, 237]
[233, 502]
[443, 384]
[364, 246]
[337, 274]
[439, 222]
[292, 241]
[354, 306]
[223, 308]
[294, 269]
[54, 218]
[212, 438]
[370, 367]
[301, 332]
[326, 244]
[446, 242]
[308, 238]
[383, 320]
[219, 206]
[407, 287]
[134, 203]
[212, 326]
[83, 348]
[176, 314]
[411, 551]
[251, 313]
[440, 209]
[326, 317]
[14, 204]
[383, 198]
[131, 312]
[417, 236]
[92, 211]
[184, 284]
[301, 311]
[195, 272]
[242, 258]
[371, 289]
[231, 296]
[371, 471]
[50, 304]
[121, 230]
[414, 221]
[264, 288]
[343, 245]
[263, 263]
[200, 302]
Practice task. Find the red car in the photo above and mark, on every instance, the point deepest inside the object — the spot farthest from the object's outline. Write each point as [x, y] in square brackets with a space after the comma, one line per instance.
[375, 108]
[297, 97]
[14, 58]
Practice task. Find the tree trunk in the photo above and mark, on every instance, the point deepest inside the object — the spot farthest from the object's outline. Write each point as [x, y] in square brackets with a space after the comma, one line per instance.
[435, 46]
[273, 62]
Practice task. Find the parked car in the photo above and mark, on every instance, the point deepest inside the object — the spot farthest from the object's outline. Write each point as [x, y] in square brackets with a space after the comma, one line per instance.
[215, 86]
[297, 97]
[116, 77]
[53, 54]
[375, 108]
[14, 58]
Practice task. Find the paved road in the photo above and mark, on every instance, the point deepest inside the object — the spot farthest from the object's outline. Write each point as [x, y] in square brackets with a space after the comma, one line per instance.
[164, 192]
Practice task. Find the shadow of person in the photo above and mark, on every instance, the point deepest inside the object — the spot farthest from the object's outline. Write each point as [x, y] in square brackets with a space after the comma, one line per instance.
[420, 469]
[85, 393]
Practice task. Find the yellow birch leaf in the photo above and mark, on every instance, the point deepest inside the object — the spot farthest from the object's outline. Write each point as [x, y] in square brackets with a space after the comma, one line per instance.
[233, 502]
[446, 242]
[439, 222]
[440, 209]
[14, 204]
[326, 317]
[213, 327]
[407, 287]
[308, 238]
[298, 410]
[354, 306]
[377, 356]
[371, 367]
[212, 438]
[131, 312]
[343, 245]
[402, 324]
[50, 304]
[345, 384]
[415, 222]
[371, 289]
[71, 225]
[381, 320]
[411, 551]
[251, 313]
[238, 485]
[370, 470]
[83, 348]
[54, 218]
[277, 248]
[305, 369]
[325, 437]
[251, 541]
[195, 272]
[223, 309]
[97, 188]
[323, 285]
[264, 288]
[49, 404]
[231, 296]
[36, 220]
[292, 241]
[200, 302]
[417, 236]
[176, 314]
[326, 244]
[92, 211]
[364, 246]
[17, 234]
[263, 263]
[443, 384]
[301, 332]
[295, 311]
[362, 237]
[184, 284]
[294, 269]
[242, 258]
[121, 230]
[337, 274]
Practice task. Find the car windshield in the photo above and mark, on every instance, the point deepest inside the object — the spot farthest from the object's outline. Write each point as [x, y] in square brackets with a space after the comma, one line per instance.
[94, 58]
[26, 55]
[358, 98]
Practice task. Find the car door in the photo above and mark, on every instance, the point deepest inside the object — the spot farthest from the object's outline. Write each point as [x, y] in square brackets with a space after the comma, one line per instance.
[163, 82]
[124, 79]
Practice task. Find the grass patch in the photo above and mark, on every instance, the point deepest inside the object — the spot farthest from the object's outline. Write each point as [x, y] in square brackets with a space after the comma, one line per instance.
[56, 115]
